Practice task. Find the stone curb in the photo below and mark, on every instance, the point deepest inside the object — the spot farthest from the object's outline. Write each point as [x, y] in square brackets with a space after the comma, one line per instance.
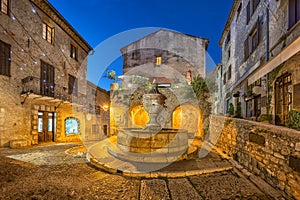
[179, 174]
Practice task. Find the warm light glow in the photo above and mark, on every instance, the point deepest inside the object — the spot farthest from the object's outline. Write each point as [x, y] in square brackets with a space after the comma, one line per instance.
[105, 107]
[158, 60]
[139, 115]
[187, 117]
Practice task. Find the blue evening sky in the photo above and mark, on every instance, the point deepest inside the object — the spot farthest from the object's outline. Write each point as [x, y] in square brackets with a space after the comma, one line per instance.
[102, 24]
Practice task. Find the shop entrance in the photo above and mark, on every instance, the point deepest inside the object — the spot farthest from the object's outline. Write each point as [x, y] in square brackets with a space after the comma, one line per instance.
[46, 126]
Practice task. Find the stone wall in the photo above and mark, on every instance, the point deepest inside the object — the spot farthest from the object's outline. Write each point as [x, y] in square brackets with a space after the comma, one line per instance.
[22, 29]
[271, 152]
[123, 100]
[179, 51]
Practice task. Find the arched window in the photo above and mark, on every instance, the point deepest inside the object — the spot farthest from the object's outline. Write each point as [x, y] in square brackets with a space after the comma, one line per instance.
[72, 126]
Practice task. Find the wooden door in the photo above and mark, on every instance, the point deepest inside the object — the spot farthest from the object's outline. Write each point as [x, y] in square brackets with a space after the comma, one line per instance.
[46, 126]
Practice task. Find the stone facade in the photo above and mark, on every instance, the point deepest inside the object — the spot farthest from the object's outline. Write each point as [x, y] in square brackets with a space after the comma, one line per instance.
[273, 48]
[25, 95]
[97, 116]
[268, 151]
[179, 53]
[125, 107]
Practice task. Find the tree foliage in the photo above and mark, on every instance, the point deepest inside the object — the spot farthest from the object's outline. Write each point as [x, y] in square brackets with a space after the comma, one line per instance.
[202, 92]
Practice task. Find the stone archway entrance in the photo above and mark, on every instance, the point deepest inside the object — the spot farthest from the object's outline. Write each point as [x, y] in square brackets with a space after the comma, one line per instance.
[190, 118]
[139, 116]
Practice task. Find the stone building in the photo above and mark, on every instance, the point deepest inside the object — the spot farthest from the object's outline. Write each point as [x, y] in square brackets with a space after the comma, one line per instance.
[97, 116]
[166, 56]
[169, 59]
[260, 58]
[43, 69]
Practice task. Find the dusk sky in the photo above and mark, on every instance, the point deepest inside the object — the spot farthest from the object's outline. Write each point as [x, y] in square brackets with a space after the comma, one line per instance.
[100, 23]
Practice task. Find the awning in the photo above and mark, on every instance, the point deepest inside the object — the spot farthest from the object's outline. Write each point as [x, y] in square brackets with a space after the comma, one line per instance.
[280, 58]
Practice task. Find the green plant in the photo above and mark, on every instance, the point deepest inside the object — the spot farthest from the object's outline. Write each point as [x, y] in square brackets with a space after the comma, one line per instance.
[231, 109]
[292, 119]
[111, 75]
[265, 117]
[202, 92]
[238, 112]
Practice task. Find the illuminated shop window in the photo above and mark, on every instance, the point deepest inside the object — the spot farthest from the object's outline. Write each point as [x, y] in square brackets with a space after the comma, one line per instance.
[72, 126]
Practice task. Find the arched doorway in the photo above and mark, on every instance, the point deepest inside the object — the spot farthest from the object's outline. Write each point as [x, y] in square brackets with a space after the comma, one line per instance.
[139, 116]
[188, 117]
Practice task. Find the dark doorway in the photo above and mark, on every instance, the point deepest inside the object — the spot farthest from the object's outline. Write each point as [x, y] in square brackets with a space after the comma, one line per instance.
[257, 106]
[105, 129]
[46, 126]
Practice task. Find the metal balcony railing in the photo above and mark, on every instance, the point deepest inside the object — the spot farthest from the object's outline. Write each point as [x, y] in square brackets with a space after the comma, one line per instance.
[33, 85]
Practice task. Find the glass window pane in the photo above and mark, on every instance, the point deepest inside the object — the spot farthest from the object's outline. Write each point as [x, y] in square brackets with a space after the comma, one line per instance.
[40, 125]
[50, 125]
[72, 126]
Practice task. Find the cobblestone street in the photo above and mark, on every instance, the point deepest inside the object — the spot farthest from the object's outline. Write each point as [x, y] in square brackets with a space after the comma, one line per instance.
[55, 172]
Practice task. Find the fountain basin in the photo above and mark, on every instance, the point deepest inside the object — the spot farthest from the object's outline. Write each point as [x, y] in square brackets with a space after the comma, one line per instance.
[139, 145]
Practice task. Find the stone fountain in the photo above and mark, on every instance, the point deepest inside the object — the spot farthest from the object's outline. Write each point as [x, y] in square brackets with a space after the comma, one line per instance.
[151, 144]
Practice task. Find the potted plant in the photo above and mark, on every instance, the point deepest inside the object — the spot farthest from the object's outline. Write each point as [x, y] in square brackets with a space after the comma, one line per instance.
[266, 118]
[231, 109]
[112, 76]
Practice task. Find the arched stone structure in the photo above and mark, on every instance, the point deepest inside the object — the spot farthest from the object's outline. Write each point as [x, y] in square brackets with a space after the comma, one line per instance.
[190, 118]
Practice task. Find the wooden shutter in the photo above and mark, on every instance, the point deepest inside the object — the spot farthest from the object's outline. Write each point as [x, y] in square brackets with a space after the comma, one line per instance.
[47, 79]
[72, 85]
[248, 12]
[246, 48]
[292, 12]
[5, 59]
[298, 10]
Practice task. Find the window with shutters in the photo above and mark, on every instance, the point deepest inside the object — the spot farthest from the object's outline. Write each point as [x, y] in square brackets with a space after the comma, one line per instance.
[48, 33]
[294, 12]
[4, 6]
[251, 7]
[252, 41]
[73, 52]
[229, 73]
[95, 128]
[224, 78]
[4, 59]
[73, 85]
[47, 79]
[158, 60]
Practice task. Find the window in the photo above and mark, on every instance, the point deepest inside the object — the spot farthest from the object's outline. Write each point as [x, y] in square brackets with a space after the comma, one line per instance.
[95, 128]
[158, 60]
[48, 33]
[4, 6]
[97, 110]
[239, 10]
[4, 59]
[294, 12]
[73, 52]
[72, 125]
[73, 85]
[228, 54]
[227, 39]
[224, 78]
[47, 79]
[229, 73]
[251, 7]
[252, 41]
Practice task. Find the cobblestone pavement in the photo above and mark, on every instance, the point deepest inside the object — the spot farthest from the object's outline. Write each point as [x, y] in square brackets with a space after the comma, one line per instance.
[48, 172]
